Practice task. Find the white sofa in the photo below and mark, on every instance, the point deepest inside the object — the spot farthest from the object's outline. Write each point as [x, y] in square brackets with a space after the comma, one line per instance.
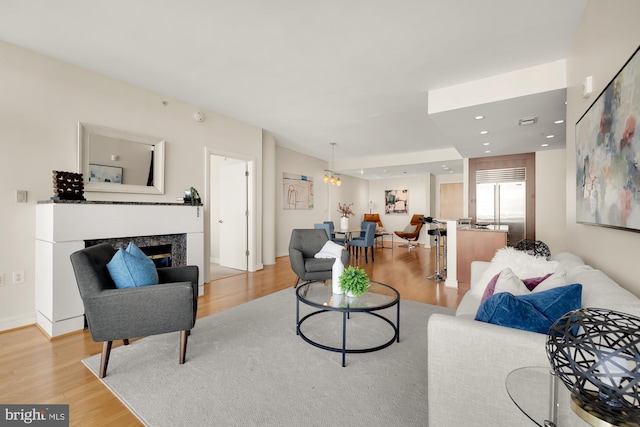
[468, 360]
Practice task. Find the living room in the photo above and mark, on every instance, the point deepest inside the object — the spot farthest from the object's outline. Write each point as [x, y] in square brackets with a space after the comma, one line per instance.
[44, 99]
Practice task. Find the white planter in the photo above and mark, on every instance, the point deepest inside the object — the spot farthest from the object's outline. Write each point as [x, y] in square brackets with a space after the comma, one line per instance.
[344, 223]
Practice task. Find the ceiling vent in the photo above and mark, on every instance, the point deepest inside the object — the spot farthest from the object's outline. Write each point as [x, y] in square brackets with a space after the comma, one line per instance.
[527, 122]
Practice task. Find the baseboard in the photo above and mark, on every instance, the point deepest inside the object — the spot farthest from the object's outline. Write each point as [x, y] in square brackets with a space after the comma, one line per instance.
[15, 322]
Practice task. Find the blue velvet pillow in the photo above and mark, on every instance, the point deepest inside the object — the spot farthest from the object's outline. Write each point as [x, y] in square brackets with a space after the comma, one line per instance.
[535, 312]
[132, 268]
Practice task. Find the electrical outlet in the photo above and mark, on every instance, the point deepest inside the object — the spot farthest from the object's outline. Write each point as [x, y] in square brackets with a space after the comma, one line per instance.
[18, 277]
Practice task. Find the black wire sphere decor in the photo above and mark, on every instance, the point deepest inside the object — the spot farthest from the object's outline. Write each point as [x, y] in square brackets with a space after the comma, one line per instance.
[534, 247]
[595, 352]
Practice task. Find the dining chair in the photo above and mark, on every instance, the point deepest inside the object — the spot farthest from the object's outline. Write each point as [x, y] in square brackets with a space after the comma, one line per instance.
[339, 240]
[366, 242]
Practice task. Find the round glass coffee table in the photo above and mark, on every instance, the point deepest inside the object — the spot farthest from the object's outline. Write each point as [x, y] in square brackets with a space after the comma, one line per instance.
[377, 298]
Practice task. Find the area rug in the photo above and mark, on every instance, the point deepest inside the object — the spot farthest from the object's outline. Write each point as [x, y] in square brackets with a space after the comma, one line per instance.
[247, 367]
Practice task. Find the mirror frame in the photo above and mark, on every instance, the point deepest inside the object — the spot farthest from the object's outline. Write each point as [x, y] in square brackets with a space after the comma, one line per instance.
[85, 130]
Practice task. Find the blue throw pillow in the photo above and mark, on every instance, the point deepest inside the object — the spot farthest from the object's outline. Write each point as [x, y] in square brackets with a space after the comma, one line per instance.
[132, 268]
[534, 312]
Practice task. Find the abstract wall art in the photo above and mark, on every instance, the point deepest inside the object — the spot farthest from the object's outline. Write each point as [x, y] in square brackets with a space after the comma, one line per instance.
[608, 153]
[297, 191]
[396, 202]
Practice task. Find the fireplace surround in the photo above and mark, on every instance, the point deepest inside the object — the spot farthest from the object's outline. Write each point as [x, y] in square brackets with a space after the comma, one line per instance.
[63, 227]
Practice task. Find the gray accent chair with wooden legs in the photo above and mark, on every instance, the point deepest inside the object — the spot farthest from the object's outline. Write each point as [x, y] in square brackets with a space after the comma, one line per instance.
[121, 314]
[304, 244]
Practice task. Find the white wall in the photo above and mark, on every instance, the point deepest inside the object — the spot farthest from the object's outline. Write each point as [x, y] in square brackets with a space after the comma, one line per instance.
[420, 193]
[326, 197]
[42, 102]
[606, 37]
[551, 200]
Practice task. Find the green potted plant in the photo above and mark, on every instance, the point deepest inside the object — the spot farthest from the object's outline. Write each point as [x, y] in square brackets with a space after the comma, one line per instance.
[192, 197]
[354, 281]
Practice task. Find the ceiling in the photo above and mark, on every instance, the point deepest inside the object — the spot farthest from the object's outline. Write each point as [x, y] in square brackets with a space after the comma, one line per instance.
[354, 72]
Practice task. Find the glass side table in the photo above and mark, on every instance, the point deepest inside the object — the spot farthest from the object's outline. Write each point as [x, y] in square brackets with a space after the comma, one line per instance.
[538, 393]
[534, 390]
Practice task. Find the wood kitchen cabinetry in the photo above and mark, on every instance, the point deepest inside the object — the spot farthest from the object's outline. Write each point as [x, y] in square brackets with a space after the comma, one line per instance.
[476, 245]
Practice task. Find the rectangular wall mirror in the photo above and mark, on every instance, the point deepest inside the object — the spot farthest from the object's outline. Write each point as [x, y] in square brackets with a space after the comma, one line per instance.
[116, 161]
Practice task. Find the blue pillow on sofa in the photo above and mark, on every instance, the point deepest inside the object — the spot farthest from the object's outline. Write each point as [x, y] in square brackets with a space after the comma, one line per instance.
[535, 312]
[132, 268]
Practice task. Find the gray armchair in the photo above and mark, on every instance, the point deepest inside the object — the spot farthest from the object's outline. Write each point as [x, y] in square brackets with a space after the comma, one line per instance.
[304, 244]
[120, 314]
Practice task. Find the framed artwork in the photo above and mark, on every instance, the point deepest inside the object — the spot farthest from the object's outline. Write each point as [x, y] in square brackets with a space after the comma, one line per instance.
[608, 152]
[297, 191]
[396, 202]
[101, 173]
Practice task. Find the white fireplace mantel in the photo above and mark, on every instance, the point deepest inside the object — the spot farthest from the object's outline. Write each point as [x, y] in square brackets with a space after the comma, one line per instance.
[62, 228]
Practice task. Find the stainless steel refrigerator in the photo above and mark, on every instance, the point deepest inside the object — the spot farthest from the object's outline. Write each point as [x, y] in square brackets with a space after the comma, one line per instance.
[501, 201]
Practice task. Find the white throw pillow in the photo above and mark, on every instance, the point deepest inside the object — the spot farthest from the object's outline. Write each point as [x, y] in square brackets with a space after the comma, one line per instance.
[330, 250]
[521, 263]
[509, 282]
[410, 229]
[559, 278]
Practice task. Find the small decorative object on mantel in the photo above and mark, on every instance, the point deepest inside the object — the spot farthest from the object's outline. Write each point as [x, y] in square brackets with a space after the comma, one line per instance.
[67, 186]
[345, 211]
[354, 281]
[192, 197]
[595, 352]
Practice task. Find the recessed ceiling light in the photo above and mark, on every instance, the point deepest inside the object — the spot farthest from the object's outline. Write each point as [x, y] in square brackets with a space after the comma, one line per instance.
[550, 136]
[487, 151]
[484, 132]
[450, 171]
[544, 145]
[486, 143]
[479, 117]
[558, 122]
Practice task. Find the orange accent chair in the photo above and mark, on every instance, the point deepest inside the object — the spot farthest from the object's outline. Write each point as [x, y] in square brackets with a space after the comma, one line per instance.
[411, 231]
[373, 218]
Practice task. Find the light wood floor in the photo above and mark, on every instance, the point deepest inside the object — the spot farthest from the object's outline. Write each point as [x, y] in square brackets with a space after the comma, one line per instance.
[35, 370]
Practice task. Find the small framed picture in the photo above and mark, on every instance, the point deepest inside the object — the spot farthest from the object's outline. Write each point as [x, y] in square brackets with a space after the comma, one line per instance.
[102, 173]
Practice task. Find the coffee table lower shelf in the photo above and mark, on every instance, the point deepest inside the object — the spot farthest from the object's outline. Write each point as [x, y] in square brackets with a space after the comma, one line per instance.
[344, 350]
[319, 295]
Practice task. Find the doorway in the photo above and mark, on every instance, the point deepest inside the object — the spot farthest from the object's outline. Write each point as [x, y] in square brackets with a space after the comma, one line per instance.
[451, 200]
[229, 215]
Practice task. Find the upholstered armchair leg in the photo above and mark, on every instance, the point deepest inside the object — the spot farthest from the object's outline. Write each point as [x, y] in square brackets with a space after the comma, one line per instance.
[184, 335]
[372, 258]
[295, 285]
[366, 257]
[104, 360]
[125, 341]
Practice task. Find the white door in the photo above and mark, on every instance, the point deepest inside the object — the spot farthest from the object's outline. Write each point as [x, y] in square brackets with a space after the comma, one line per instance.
[233, 214]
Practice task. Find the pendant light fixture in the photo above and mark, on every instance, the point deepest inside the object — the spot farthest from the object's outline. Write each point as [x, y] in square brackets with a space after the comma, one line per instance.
[329, 173]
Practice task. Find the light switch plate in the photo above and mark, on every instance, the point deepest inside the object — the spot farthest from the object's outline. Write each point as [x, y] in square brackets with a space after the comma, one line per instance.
[21, 196]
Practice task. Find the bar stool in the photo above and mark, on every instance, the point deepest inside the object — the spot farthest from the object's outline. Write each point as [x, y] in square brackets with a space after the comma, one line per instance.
[441, 257]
